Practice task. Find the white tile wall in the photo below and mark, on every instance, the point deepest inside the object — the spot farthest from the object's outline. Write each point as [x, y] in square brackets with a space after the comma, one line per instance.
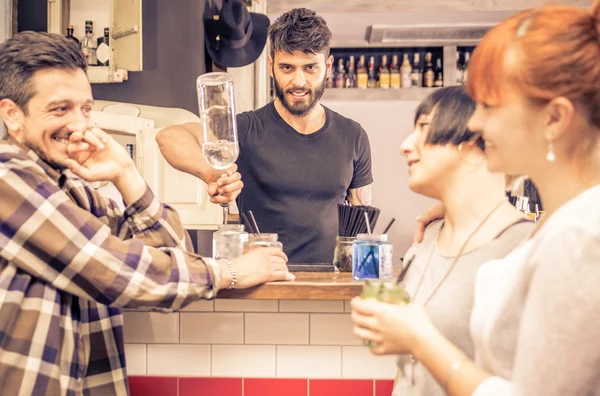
[200, 306]
[243, 360]
[212, 328]
[151, 327]
[332, 329]
[240, 305]
[276, 328]
[311, 306]
[311, 339]
[359, 362]
[309, 361]
[347, 307]
[181, 359]
[135, 355]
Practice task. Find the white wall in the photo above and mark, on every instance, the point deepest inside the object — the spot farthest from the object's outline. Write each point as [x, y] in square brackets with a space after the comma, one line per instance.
[5, 29]
[388, 123]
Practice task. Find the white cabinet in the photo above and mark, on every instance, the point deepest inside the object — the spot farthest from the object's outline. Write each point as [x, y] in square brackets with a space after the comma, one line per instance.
[124, 20]
[185, 193]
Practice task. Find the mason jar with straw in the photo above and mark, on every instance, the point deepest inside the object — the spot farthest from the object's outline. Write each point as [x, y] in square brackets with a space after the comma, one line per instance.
[371, 256]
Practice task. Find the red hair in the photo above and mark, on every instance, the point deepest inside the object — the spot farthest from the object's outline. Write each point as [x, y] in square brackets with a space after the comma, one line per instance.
[557, 53]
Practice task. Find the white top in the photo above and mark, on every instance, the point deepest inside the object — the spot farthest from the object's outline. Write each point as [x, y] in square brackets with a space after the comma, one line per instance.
[536, 316]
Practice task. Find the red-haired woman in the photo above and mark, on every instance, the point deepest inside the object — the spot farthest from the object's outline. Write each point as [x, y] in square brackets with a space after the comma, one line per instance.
[536, 317]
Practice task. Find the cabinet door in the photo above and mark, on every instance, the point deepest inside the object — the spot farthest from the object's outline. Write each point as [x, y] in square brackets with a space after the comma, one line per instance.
[127, 34]
[185, 193]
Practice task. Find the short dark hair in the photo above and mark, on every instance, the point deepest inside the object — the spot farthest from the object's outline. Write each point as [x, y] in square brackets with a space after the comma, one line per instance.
[300, 30]
[453, 108]
[28, 52]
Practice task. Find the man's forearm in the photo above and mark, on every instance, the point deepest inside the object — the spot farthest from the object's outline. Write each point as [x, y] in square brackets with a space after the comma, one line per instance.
[183, 151]
[360, 196]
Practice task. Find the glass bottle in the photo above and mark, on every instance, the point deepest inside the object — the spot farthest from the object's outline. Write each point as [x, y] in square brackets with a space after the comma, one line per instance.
[384, 73]
[70, 31]
[406, 72]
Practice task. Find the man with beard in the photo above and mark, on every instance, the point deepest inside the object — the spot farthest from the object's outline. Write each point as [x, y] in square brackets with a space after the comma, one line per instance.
[298, 158]
[69, 259]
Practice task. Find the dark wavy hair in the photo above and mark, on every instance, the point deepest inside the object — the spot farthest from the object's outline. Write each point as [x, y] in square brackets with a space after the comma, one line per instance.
[300, 30]
[28, 52]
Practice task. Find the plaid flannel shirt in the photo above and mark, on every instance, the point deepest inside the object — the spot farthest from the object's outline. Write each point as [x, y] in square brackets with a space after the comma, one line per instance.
[69, 261]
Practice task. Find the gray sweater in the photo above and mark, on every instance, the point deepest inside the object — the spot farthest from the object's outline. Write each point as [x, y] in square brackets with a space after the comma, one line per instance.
[536, 318]
[450, 308]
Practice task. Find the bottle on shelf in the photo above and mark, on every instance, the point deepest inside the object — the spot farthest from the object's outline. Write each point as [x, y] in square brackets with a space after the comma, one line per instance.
[330, 83]
[395, 81]
[384, 73]
[87, 44]
[428, 73]
[70, 31]
[351, 75]
[417, 73]
[460, 79]
[439, 74]
[466, 65]
[372, 82]
[340, 78]
[406, 72]
[103, 50]
[362, 77]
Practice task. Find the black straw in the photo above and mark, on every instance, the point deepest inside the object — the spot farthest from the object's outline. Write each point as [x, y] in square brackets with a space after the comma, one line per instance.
[388, 226]
[247, 223]
[404, 270]
[254, 222]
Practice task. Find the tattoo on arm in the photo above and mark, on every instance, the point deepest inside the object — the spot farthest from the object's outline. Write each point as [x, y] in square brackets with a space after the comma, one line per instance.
[360, 196]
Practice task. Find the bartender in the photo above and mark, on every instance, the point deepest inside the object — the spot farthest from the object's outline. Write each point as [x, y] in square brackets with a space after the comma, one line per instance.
[298, 158]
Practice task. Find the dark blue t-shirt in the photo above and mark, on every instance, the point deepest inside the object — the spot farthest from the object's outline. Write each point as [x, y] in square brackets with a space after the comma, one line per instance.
[293, 182]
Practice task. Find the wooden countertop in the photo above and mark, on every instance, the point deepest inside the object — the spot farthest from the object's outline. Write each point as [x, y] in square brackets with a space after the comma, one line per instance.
[307, 286]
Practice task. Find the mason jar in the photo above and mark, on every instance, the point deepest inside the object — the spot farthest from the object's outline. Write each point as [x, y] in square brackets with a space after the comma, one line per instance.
[262, 240]
[371, 257]
[228, 241]
[342, 255]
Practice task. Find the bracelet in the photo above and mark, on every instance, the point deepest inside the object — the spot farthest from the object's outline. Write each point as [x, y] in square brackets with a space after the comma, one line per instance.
[233, 273]
[454, 368]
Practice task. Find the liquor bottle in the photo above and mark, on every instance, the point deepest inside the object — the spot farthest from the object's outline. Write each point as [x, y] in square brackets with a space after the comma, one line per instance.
[362, 78]
[103, 50]
[428, 73]
[340, 78]
[465, 66]
[460, 79]
[439, 74]
[395, 81]
[384, 73]
[70, 35]
[87, 44]
[331, 77]
[406, 72]
[351, 75]
[372, 83]
[417, 73]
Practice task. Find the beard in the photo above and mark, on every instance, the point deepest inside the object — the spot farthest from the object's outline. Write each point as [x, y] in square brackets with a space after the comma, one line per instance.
[40, 153]
[299, 109]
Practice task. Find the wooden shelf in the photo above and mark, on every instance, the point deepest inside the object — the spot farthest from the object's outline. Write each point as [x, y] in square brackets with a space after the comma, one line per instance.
[307, 286]
[377, 94]
[106, 74]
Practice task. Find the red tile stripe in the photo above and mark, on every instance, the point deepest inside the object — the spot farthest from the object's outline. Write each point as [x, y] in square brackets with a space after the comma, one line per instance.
[211, 386]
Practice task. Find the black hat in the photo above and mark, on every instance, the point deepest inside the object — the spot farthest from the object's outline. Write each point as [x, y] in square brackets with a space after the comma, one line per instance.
[242, 35]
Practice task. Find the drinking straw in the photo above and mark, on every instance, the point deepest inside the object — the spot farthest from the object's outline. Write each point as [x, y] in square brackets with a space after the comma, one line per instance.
[388, 226]
[254, 222]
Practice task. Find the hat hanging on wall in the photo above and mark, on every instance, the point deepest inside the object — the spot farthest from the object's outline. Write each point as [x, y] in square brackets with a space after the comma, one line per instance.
[237, 37]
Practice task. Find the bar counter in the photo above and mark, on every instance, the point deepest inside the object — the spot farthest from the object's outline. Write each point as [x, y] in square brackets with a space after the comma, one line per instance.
[307, 286]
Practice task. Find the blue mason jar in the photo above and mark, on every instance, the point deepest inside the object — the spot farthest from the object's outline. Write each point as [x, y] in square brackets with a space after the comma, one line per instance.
[371, 257]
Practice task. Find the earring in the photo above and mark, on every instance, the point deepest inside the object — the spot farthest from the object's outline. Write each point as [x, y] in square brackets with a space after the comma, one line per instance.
[550, 157]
